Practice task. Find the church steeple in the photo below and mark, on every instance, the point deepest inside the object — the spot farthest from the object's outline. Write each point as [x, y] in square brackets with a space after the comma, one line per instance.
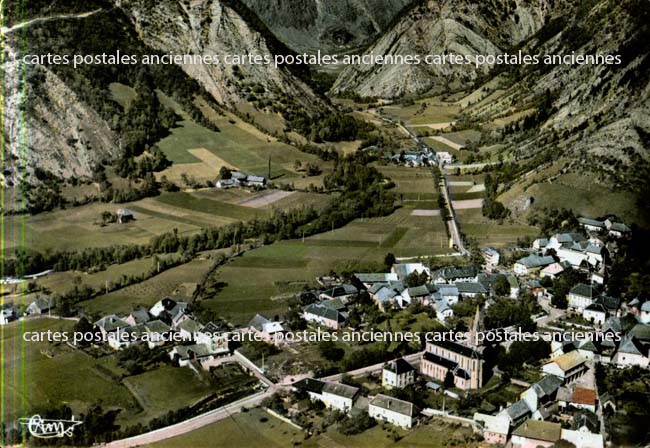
[476, 327]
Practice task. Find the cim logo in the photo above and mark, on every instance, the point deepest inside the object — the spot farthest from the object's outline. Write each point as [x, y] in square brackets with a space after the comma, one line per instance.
[49, 429]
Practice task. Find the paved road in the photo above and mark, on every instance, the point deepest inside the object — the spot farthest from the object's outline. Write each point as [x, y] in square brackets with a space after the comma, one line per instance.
[413, 359]
[452, 223]
[194, 423]
[5, 30]
[552, 313]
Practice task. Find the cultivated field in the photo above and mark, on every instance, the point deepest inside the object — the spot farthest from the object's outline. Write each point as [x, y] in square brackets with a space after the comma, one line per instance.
[263, 279]
[149, 291]
[485, 231]
[43, 374]
[236, 145]
[256, 428]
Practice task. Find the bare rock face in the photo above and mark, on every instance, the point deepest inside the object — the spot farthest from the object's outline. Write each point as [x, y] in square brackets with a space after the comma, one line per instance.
[442, 27]
[47, 126]
[329, 26]
[210, 27]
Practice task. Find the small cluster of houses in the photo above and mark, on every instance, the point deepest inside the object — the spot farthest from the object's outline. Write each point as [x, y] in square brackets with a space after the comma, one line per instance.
[167, 321]
[395, 374]
[238, 179]
[331, 308]
[443, 289]
[440, 360]
[561, 392]
[423, 157]
[41, 306]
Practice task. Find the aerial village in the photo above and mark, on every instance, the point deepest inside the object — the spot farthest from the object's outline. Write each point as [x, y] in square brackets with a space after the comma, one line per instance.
[561, 401]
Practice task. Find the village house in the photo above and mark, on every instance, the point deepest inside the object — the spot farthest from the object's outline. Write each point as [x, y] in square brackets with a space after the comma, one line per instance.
[583, 398]
[238, 179]
[541, 394]
[470, 289]
[343, 292]
[110, 324]
[267, 329]
[631, 352]
[516, 413]
[495, 428]
[370, 279]
[465, 363]
[569, 367]
[125, 215]
[617, 229]
[552, 271]
[592, 225]
[581, 296]
[322, 315]
[8, 314]
[444, 158]
[188, 328]
[397, 374]
[491, 257]
[139, 316]
[583, 438]
[333, 395]
[535, 434]
[451, 275]
[386, 296]
[515, 288]
[531, 264]
[397, 412]
[41, 305]
[595, 313]
[442, 309]
[403, 270]
[184, 355]
[448, 293]
[157, 333]
[560, 240]
[540, 243]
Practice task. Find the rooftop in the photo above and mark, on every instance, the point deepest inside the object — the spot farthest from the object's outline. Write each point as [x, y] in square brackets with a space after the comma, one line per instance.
[584, 396]
[393, 404]
[398, 366]
[539, 430]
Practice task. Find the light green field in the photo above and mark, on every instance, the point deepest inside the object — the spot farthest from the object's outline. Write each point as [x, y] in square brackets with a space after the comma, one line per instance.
[256, 429]
[77, 227]
[412, 182]
[166, 388]
[581, 194]
[188, 212]
[198, 204]
[240, 430]
[34, 381]
[485, 231]
[434, 112]
[238, 144]
[148, 292]
[263, 279]
[61, 282]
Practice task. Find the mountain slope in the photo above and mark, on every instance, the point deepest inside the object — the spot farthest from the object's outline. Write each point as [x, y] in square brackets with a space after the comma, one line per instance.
[440, 27]
[48, 126]
[213, 27]
[331, 26]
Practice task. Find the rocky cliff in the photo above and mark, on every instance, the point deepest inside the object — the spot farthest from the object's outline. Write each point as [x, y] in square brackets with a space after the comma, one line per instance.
[331, 26]
[214, 27]
[440, 27]
[47, 125]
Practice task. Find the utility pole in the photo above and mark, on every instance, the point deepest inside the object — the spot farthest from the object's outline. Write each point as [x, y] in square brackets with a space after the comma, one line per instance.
[269, 173]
